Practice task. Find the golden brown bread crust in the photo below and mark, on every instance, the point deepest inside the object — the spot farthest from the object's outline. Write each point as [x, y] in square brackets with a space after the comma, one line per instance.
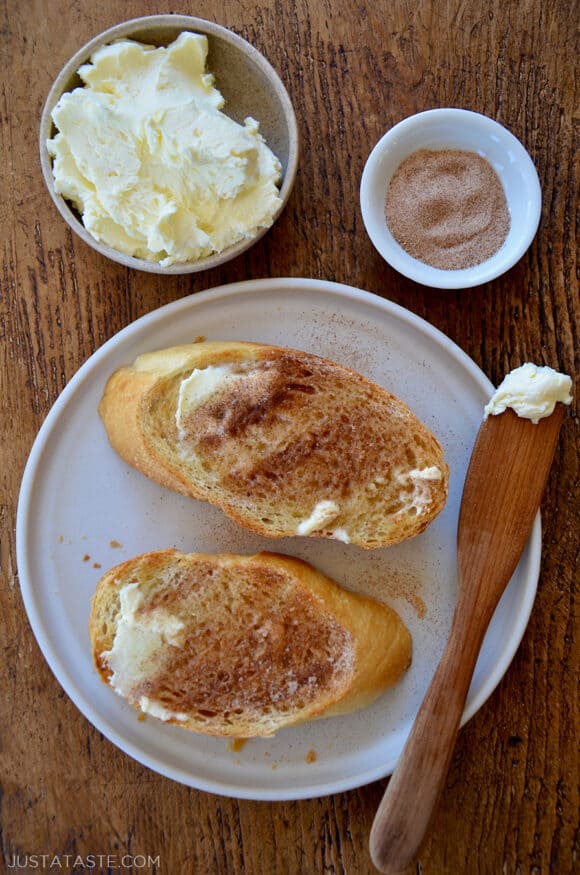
[291, 431]
[255, 643]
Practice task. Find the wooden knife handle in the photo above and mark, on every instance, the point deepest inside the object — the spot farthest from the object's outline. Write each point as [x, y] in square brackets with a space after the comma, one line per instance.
[500, 500]
[403, 817]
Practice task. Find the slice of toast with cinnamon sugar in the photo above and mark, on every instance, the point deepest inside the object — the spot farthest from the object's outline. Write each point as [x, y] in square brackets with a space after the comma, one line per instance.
[241, 646]
[285, 442]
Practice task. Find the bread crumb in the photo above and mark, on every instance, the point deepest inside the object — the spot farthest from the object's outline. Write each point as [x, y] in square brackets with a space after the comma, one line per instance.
[97, 565]
[115, 544]
[199, 339]
[236, 744]
[274, 766]
[311, 757]
[418, 604]
[61, 539]
[141, 716]
[86, 557]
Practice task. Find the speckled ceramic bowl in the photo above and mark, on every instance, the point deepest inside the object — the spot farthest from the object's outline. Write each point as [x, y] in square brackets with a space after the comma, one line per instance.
[451, 128]
[250, 86]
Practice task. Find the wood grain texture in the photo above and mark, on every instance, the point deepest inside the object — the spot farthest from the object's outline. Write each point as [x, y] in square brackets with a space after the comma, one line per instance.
[353, 69]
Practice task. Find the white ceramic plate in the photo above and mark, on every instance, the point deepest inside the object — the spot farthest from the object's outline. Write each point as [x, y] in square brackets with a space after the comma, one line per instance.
[81, 506]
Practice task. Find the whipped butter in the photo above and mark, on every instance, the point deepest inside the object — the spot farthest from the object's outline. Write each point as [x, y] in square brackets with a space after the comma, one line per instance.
[324, 512]
[147, 157]
[418, 479]
[531, 391]
[137, 647]
[148, 706]
[201, 384]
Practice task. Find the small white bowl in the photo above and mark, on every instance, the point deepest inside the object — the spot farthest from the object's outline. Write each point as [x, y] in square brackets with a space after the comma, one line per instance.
[250, 86]
[453, 129]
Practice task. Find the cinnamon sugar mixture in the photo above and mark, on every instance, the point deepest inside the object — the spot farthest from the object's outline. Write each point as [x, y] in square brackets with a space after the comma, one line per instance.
[447, 208]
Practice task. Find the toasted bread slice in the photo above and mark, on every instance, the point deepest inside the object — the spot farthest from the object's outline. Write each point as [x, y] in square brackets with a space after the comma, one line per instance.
[285, 442]
[241, 645]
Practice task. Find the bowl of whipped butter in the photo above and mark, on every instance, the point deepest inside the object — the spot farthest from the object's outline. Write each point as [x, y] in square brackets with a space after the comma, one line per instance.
[169, 144]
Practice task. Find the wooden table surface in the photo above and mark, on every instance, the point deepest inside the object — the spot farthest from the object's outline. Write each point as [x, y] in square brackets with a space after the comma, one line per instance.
[353, 69]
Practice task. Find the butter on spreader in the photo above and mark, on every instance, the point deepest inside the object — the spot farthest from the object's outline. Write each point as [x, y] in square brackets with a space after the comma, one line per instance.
[531, 391]
[152, 164]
